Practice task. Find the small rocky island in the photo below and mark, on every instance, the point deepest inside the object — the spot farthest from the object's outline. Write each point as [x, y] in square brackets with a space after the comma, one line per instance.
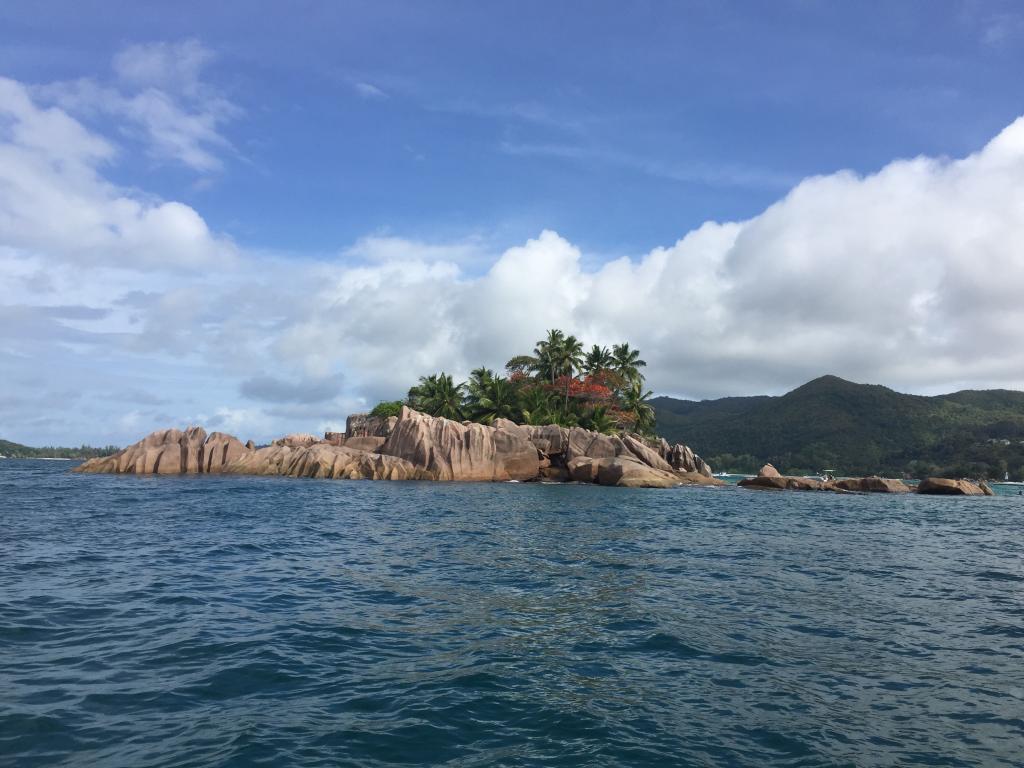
[769, 478]
[417, 446]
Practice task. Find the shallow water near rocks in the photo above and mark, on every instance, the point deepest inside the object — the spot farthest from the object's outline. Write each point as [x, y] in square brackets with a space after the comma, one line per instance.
[229, 621]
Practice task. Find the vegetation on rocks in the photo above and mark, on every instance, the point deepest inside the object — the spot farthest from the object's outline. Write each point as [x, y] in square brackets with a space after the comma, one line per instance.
[559, 383]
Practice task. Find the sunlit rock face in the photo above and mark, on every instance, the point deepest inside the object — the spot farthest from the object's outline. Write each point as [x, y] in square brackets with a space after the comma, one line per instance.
[416, 446]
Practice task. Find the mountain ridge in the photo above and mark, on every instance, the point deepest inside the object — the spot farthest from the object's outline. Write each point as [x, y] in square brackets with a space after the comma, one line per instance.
[855, 428]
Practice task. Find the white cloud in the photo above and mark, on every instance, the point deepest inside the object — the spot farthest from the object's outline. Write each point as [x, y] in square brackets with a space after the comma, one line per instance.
[911, 277]
[173, 67]
[369, 91]
[160, 98]
[54, 200]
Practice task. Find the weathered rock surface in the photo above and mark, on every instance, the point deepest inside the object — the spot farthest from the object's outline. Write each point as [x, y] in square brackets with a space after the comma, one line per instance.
[365, 425]
[450, 450]
[326, 461]
[941, 486]
[871, 485]
[631, 473]
[583, 469]
[371, 444]
[781, 483]
[297, 440]
[170, 452]
[415, 446]
[768, 471]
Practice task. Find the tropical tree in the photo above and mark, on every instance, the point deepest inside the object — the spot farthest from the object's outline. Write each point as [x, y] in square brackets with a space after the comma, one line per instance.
[599, 420]
[535, 407]
[558, 383]
[479, 378]
[637, 409]
[495, 398]
[598, 359]
[549, 354]
[522, 365]
[438, 395]
[387, 408]
[570, 359]
[627, 362]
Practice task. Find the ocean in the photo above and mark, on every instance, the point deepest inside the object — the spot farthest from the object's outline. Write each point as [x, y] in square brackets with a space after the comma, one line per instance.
[236, 621]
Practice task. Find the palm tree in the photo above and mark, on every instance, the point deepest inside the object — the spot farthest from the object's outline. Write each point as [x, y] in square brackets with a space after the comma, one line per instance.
[599, 420]
[535, 407]
[549, 355]
[634, 403]
[497, 398]
[438, 395]
[598, 359]
[628, 362]
[570, 360]
[479, 378]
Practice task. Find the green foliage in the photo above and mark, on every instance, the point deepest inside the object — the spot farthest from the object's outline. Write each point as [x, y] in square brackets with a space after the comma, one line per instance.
[557, 384]
[387, 408]
[635, 404]
[628, 363]
[598, 359]
[438, 395]
[857, 429]
[491, 399]
[18, 451]
[599, 420]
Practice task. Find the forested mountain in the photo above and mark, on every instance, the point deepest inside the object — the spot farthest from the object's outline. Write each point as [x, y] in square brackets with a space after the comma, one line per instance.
[16, 451]
[855, 429]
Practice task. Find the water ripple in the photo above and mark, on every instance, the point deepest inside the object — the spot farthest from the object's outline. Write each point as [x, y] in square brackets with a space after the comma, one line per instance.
[222, 621]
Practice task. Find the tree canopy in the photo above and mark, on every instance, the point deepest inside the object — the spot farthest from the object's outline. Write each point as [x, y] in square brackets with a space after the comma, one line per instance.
[558, 383]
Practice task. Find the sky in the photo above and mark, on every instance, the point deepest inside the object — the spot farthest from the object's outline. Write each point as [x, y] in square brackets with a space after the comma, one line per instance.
[263, 221]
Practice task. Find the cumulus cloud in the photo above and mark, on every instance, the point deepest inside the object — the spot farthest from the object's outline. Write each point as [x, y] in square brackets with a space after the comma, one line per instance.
[54, 199]
[910, 277]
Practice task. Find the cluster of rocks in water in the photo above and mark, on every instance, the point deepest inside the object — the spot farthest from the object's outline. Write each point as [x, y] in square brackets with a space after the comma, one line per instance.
[769, 478]
[416, 446]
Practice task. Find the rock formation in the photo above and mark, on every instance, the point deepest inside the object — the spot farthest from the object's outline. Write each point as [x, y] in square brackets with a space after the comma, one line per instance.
[297, 440]
[171, 452]
[327, 461]
[941, 486]
[365, 425]
[770, 479]
[415, 446]
[450, 450]
[872, 485]
[782, 483]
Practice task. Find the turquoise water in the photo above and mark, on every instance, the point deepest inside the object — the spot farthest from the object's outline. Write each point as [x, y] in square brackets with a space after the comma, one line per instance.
[242, 621]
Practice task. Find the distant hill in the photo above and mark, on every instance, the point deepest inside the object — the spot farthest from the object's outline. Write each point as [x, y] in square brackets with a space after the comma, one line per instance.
[17, 451]
[855, 429]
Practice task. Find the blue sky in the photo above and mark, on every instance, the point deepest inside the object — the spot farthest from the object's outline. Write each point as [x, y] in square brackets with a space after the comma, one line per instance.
[363, 149]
